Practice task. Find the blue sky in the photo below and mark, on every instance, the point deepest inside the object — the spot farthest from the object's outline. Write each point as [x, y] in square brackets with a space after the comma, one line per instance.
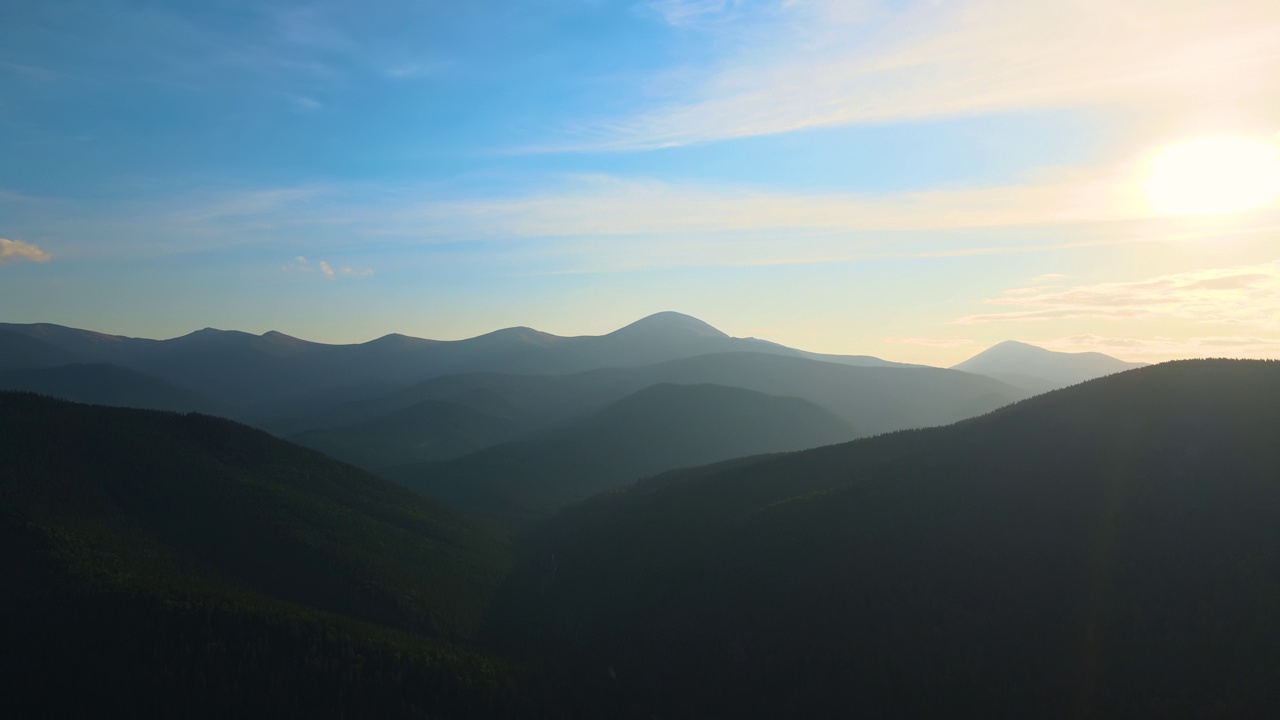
[915, 180]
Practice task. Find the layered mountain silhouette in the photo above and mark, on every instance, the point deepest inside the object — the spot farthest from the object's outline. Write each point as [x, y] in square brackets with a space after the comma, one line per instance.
[182, 565]
[277, 374]
[869, 400]
[104, 384]
[658, 428]
[19, 351]
[1107, 550]
[1038, 370]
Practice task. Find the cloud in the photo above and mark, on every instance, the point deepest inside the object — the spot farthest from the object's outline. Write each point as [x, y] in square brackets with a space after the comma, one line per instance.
[304, 266]
[1240, 296]
[1047, 278]
[685, 13]
[814, 63]
[17, 250]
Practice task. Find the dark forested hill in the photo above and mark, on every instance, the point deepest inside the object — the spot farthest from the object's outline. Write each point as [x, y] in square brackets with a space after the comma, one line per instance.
[656, 429]
[1108, 550]
[166, 565]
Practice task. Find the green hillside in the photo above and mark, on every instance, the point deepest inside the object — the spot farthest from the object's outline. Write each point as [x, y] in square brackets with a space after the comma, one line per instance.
[172, 565]
[1108, 550]
[656, 429]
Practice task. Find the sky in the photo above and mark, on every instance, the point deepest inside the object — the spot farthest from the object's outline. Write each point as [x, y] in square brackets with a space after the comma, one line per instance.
[912, 180]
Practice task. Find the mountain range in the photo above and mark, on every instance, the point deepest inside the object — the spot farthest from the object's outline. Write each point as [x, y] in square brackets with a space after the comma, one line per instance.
[1110, 549]
[274, 373]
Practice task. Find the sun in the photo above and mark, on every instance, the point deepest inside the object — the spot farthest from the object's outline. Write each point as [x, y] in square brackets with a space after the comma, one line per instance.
[1214, 176]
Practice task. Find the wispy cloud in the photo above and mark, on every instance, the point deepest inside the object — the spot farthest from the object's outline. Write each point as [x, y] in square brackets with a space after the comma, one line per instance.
[16, 250]
[685, 13]
[1245, 296]
[825, 63]
[303, 266]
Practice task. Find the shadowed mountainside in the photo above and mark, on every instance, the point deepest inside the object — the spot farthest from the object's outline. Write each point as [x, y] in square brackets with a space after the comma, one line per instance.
[659, 428]
[102, 384]
[183, 565]
[1108, 550]
[18, 350]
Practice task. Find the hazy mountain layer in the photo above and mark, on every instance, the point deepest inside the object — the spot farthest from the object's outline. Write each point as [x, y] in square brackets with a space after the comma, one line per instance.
[430, 430]
[659, 428]
[872, 400]
[1109, 550]
[1039, 370]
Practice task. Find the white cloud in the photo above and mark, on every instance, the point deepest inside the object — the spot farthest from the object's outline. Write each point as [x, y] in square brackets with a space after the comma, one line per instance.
[815, 64]
[684, 13]
[304, 266]
[1245, 296]
[16, 250]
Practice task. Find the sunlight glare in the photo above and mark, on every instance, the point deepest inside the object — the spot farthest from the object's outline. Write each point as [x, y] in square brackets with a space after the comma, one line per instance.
[1214, 176]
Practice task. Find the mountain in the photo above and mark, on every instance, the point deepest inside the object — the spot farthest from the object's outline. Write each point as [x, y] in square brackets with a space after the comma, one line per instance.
[1039, 370]
[429, 430]
[103, 384]
[870, 399]
[658, 428]
[277, 375]
[1107, 550]
[20, 351]
[159, 564]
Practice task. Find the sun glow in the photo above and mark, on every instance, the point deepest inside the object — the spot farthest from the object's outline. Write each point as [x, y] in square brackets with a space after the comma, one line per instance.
[1214, 176]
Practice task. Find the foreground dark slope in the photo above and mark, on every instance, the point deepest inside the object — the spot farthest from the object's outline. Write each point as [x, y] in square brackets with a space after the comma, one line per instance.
[1109, 550]
[656, 429]
[171, 565]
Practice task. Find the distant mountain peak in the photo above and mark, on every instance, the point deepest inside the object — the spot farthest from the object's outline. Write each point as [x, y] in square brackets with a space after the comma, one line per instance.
[1038, 369]
[672, 322]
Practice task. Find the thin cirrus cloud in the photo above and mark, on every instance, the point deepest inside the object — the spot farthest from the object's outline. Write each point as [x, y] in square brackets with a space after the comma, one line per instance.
[1242, 296]
[16, 250]
[828, 63]
[303, 266]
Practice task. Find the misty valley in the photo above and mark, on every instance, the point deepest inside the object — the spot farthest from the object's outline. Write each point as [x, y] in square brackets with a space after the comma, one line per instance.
[660, 522]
